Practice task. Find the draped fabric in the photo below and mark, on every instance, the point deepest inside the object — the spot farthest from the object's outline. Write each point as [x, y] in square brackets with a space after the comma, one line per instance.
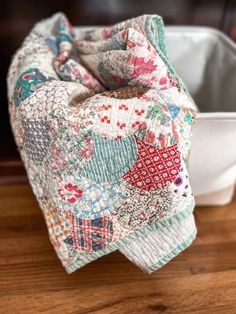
[103, 125]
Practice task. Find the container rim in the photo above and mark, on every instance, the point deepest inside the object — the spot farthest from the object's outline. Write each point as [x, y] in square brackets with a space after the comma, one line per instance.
[200, 30]
[223, 116]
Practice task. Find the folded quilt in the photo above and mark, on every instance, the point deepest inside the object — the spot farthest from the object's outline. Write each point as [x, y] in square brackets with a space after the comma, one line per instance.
[103, 125]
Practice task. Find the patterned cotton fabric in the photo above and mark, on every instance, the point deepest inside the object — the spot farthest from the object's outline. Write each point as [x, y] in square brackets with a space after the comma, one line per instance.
[103, 125]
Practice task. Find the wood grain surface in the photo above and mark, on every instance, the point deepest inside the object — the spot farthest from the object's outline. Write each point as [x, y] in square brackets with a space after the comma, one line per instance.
[200, 280]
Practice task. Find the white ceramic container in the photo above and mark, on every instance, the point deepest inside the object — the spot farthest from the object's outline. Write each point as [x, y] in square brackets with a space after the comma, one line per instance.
[205, 59]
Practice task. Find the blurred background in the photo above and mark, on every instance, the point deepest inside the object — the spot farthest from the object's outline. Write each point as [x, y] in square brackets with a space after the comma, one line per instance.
[18, 17]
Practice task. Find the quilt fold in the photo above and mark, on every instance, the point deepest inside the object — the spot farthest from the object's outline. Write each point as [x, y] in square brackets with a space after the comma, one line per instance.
[103, 125]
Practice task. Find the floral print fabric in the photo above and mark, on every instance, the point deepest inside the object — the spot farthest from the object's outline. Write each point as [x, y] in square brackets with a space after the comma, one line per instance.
[103, 125]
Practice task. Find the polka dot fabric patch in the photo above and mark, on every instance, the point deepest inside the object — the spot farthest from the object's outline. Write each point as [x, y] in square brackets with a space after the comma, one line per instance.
[154, 168]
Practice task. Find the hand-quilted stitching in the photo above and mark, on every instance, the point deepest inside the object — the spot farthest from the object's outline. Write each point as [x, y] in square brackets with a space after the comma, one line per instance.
[111, 159]
[36, 139]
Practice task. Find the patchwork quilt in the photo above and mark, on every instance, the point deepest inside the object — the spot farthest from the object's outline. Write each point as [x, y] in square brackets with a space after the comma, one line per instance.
[103, 125]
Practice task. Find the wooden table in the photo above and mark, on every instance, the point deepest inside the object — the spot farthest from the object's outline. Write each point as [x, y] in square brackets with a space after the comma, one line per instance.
[200, 280]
